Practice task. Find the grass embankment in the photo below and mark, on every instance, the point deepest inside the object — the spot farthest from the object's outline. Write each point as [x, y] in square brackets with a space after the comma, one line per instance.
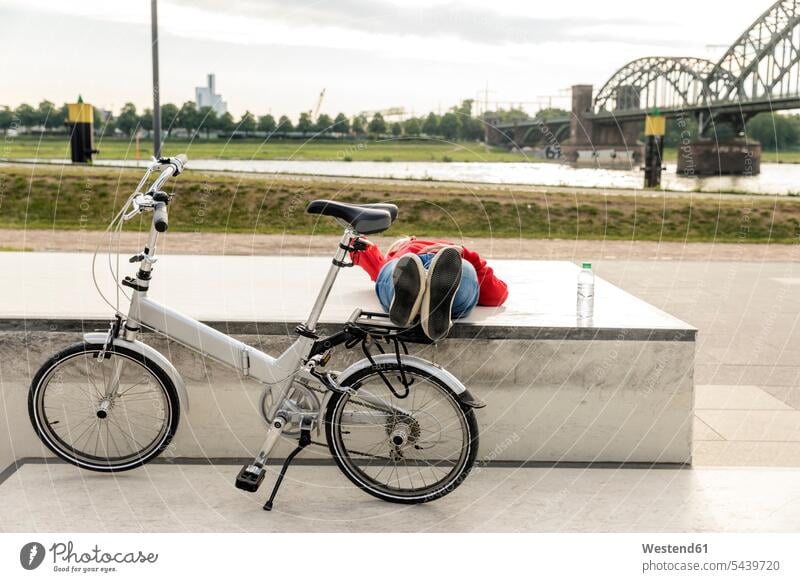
[74, 198]
[257, 149]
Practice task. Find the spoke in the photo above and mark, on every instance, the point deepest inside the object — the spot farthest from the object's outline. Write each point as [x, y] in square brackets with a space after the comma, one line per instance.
[141, 399]
[134, 386]
[126, 435]
[137, 413]
[113, 440]
[97, 441]
[130, 423]
[69, 431]
[64, 408]
[85, 432]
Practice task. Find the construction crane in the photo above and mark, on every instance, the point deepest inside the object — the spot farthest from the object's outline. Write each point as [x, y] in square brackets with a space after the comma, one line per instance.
[319, 105]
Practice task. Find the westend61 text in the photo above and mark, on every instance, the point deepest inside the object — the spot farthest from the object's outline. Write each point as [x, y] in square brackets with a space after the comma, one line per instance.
[672, 549]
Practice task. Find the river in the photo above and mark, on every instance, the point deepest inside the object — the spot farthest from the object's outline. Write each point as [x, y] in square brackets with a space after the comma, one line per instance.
[782, 179]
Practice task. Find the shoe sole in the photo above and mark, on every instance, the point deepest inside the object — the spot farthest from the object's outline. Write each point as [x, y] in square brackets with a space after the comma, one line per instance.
[408, 278]
[444, 276]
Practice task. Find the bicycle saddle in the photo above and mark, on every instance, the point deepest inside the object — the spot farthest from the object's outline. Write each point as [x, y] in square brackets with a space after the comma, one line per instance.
[363, 218]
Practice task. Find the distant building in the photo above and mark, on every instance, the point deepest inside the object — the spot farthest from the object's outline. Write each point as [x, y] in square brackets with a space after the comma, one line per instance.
[207, 97]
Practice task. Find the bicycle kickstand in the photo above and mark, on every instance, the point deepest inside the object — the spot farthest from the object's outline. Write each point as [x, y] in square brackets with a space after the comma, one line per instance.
[305, 440]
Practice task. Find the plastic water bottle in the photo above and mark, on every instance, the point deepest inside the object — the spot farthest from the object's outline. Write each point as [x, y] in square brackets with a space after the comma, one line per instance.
[585, 307]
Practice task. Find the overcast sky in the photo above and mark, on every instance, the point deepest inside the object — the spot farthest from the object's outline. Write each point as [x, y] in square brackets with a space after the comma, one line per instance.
[276, 55]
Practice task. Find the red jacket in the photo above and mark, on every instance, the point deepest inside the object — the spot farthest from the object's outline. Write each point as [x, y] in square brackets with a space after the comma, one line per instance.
[493, 291]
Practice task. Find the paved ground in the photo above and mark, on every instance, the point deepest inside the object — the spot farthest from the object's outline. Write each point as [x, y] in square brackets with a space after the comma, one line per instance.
[202, 499]
[500, 248]
[747, 309]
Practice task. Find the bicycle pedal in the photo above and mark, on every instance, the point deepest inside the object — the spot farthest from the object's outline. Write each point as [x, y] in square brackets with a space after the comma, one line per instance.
[250, 478]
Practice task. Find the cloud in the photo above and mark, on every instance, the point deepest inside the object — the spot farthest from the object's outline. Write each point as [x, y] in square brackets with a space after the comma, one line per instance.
[453, 20]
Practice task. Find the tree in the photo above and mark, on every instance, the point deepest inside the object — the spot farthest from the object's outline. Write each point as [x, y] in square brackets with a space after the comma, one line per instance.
[412, 126]
[679, 131]
[341, 124]
[226, 124]
[304, 124]
[506, 115]
[188, 118]
[146, 119]
[266, 123]
[27, 115]
[128, 120]
[377, 126]
[549, 113]
[45, 113]
[397, 129]
[208, 119]
[471, 128]
[285, 124]
[248, 123]
[359, 125]
[324, 124]
[6, 118]
[169, 117]
[774, 131]
[465, 109]
[431, 124]
[449, 125]
[58, 118]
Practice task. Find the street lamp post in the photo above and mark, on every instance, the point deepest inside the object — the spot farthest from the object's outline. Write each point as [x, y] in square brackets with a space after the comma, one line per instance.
[156, 88]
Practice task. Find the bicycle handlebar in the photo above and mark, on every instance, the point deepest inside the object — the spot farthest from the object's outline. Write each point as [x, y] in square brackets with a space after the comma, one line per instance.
[160, 216]
[174, 167]
[171, 167]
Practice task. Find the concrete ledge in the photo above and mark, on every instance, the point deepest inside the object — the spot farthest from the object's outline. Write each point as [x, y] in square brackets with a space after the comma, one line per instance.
[459, 331]
[617, 390]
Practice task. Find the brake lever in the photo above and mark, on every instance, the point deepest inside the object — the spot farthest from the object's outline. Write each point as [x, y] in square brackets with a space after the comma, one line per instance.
[140, 203]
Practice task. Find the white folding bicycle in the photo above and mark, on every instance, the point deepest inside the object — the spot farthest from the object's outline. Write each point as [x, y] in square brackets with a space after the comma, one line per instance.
[401, 428]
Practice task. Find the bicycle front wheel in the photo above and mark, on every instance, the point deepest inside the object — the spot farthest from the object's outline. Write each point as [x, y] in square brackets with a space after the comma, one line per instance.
[404, 446]
[106, 415]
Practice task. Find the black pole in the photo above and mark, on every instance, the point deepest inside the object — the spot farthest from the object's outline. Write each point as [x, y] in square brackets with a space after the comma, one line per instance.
[652, 161]
[156, 88]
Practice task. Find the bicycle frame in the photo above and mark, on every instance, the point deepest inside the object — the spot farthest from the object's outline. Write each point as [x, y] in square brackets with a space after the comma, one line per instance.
[277, 373]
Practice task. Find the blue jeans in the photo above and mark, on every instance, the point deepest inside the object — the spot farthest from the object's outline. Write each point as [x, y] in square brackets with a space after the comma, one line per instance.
[466, 296]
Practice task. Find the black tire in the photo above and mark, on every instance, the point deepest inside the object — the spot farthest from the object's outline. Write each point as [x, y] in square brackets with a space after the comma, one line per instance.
[343, 458]
[44, 429]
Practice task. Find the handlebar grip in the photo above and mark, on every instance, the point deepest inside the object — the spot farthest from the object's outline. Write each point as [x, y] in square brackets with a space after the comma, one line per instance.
[182, 159]
[160, 217]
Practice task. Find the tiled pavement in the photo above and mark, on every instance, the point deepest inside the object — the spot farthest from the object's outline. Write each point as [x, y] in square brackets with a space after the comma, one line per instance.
[744, 426]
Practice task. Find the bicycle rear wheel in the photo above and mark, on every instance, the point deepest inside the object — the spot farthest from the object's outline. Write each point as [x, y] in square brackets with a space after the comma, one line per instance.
[74, 414]
[403, 450]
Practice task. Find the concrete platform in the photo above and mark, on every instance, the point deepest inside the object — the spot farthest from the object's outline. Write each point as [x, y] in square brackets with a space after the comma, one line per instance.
[619, 389]
[191, 498]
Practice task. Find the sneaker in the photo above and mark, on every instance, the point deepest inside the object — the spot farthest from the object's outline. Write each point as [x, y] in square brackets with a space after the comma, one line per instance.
[444, 276]
[409, 283]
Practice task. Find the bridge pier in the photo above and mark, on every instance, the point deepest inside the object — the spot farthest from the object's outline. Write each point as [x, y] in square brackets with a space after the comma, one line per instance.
[707, 157]
[613, 144]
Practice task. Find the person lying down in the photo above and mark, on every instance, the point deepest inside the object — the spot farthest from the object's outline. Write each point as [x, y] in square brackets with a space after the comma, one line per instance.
[433, 280]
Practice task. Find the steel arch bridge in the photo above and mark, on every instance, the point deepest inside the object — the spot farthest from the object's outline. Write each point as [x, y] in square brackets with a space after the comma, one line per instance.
[759, 72]
[761, 68]
[656, 82]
